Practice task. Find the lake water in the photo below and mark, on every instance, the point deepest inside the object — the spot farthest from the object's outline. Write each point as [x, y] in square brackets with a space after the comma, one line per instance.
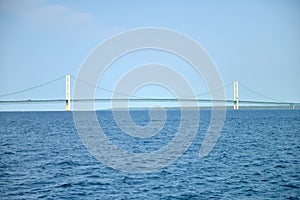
[256, 157]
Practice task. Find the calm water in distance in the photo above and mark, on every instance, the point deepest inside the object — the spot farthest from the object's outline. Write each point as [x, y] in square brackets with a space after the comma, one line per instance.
[256, 157]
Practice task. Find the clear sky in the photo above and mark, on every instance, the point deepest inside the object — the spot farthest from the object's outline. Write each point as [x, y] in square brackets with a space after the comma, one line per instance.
[254, 42]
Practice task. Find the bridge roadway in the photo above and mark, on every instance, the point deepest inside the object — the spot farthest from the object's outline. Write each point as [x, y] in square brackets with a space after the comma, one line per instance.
[44, 101]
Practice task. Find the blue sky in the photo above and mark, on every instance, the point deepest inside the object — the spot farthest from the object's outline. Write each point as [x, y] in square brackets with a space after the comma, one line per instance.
[254, 42]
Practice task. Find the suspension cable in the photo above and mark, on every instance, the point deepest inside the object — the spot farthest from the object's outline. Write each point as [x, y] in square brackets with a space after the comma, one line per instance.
[104, 89]
[259, 94]
[31, 88]
[206, 93]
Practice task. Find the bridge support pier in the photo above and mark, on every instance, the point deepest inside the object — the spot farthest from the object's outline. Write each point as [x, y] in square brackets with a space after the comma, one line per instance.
[236, 96]
[68, 98]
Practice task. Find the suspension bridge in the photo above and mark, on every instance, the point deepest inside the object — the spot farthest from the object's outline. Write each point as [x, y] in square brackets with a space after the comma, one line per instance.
[67, 100]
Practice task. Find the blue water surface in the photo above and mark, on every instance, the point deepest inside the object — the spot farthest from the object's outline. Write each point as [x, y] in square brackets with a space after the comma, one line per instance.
[256, 157]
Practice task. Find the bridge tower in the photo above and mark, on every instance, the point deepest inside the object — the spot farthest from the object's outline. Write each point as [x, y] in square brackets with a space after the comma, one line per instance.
[68, 94]
[236, 95]
[292, 106]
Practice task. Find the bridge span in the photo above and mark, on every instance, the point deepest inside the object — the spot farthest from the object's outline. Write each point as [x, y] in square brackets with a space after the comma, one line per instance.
[68, 100]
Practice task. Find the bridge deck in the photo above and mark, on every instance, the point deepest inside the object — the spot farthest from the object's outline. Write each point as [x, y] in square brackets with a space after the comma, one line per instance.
[41, 101]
